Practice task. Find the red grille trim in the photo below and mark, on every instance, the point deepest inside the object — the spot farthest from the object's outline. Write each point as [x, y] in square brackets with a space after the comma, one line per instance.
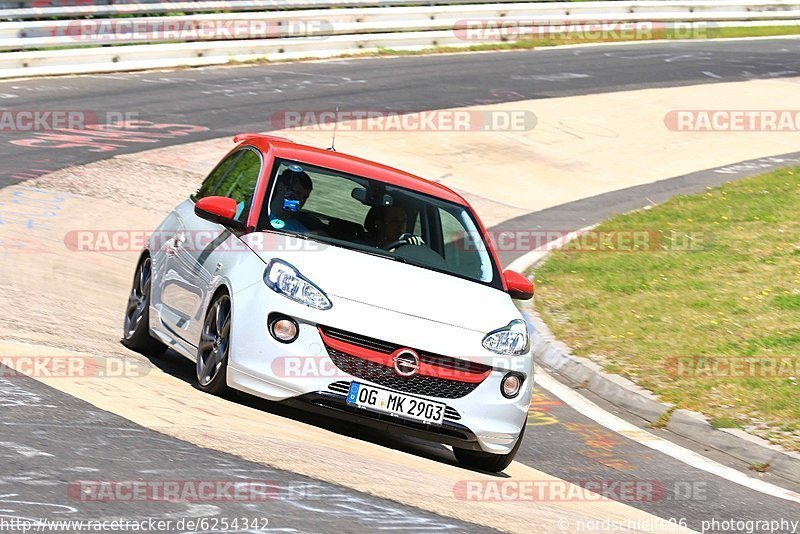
[425, 369]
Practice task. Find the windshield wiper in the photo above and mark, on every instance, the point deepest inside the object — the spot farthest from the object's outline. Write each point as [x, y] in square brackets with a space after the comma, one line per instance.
[286, 233]
[386, 255]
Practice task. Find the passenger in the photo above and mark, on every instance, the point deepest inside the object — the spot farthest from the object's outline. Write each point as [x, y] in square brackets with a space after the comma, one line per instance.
[292, 189]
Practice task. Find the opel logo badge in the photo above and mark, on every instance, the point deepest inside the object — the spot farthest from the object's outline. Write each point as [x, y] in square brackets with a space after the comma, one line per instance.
[406, 362]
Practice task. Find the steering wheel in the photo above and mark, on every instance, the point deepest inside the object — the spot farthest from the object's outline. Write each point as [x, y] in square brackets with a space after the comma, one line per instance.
[399, 243]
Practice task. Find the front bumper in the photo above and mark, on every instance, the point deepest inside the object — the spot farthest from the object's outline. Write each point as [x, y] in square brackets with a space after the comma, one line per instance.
[335, 405]
[481, 419]
[470, 423]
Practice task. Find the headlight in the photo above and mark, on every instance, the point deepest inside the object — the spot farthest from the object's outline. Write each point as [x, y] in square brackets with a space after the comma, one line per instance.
[511, 339]
[284, 279]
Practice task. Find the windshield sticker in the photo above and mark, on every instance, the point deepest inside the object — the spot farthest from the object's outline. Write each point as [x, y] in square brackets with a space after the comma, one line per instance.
[277, 223]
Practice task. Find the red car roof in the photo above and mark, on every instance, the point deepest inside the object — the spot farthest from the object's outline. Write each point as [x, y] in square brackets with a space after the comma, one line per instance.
[286, 149]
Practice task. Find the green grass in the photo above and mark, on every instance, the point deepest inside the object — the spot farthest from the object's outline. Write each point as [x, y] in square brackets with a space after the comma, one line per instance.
[757, 31]
[759, 467]
[721, 281]
[568, 39]
[724, 422]
[529, 44]
[663, 419]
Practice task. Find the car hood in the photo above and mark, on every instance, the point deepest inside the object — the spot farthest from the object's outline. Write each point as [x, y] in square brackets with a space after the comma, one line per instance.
[388, 284]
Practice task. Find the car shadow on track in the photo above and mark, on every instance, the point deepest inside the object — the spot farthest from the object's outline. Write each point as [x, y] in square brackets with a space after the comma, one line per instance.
[179, 367]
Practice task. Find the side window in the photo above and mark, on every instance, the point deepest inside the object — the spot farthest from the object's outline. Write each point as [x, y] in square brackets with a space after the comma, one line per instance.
[452, 232]
[210, 184]
[417, 225]
[460, 248]
[240, 182]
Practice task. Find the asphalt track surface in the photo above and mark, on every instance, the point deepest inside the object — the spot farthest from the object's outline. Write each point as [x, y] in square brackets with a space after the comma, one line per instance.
[95, 445]
[226, 101]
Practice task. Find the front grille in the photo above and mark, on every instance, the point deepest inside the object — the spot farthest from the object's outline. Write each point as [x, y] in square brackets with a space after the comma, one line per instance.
[447, 362]
[429, 386]
[361, 341]
[343, 388]
[451, 413]
[340, 387]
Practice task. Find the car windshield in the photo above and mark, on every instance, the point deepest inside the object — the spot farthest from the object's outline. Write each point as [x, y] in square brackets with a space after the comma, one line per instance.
[378, 218]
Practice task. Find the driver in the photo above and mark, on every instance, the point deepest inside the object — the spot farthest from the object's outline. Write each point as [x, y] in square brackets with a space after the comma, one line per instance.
[390, 226]
[292, 189]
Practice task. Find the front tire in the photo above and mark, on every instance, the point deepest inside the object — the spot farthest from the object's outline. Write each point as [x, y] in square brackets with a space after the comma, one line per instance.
[136, 332]
[486, 461]
[212, 352]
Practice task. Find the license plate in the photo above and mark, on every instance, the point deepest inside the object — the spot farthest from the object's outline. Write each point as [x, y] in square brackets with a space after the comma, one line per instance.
[397, 404]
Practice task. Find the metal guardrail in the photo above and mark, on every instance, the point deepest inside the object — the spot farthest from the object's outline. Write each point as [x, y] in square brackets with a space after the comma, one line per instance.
[98, 8]
[61, 9]
[323, 23]
[329, 32]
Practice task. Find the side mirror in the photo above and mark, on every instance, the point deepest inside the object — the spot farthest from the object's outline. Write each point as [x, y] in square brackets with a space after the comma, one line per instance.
[221, 210]
[519, 287]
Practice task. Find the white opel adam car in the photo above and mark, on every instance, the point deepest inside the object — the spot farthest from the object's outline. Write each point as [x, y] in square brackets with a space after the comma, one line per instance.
[343, 286]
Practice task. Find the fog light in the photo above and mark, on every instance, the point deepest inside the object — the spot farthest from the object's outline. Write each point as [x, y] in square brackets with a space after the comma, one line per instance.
[511, 385]
[283, 329]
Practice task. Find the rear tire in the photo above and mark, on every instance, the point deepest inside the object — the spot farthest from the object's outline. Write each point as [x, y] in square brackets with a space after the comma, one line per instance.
[212, 351]
[136, 331]
[486, 461]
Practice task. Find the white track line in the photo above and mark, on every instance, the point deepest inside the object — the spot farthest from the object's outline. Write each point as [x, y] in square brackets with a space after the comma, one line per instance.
[616, 424]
